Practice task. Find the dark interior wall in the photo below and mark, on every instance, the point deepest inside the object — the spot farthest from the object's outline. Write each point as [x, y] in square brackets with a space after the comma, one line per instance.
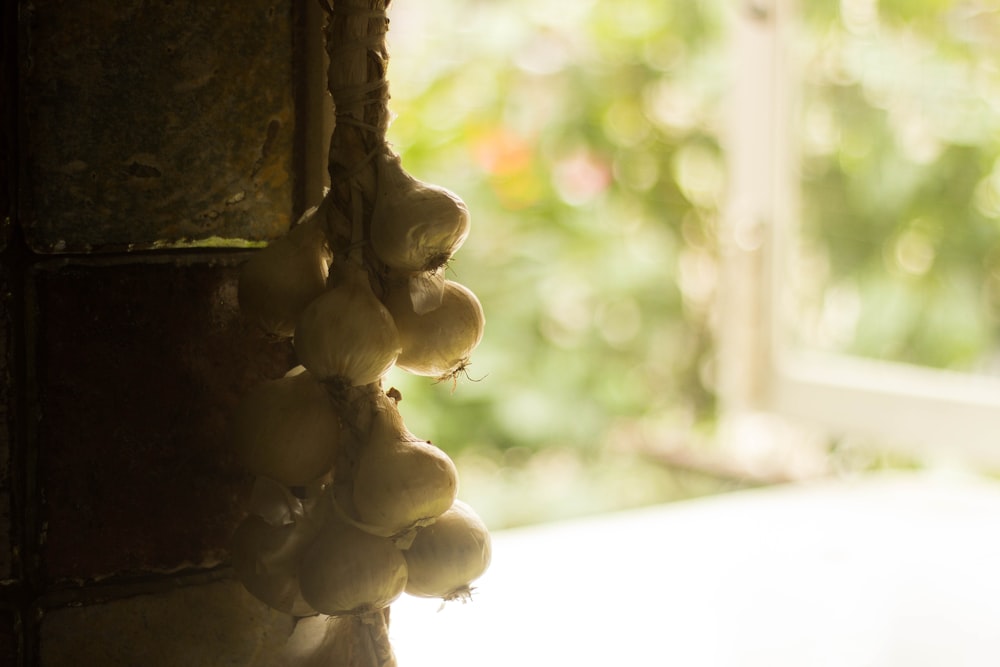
[144, 146]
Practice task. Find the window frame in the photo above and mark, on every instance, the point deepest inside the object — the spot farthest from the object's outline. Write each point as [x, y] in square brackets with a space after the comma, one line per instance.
[933, 414]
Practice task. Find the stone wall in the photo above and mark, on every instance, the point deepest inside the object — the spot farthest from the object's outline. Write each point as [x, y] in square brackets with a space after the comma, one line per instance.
[147, 147]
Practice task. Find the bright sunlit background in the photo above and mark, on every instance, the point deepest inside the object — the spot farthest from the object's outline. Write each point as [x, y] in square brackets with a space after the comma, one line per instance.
[586, 138]
[900, 175]
[589, 139]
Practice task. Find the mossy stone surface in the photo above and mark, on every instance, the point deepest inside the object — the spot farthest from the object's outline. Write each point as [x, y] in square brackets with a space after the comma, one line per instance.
[156, 124]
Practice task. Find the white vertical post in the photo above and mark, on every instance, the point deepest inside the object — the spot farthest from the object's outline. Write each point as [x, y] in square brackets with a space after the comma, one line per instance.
[743, 333]
[753, 235]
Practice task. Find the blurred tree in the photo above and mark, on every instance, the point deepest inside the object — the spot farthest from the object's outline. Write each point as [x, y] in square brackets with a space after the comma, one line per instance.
[584, 137]
[901, 135]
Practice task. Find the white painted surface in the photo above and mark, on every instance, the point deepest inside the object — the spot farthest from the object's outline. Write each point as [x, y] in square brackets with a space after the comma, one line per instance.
[900, 571]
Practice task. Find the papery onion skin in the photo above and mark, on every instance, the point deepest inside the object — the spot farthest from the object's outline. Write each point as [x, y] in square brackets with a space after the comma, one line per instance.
[415, 226]
[348, 571]
[347, 333]
[440, 342]
[279, 281]
[287, 430]
[278, 588]
[445, 557]
[399, 482]
[410, 484]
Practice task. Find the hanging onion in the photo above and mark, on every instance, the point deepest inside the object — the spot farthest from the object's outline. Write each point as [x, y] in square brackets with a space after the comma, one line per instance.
[287, 430]
[437, 343]
[448, 555]
[277, 283]
[266, 559]
[346, 332]
[415, 226]
[348, 571]
[398, 481]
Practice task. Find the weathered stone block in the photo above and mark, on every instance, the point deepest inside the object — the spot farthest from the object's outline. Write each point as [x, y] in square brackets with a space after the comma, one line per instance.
[138, 368]
[157, 124]
[198, 626]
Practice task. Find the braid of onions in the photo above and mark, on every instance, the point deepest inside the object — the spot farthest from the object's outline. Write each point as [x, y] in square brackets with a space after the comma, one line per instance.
[363, 510]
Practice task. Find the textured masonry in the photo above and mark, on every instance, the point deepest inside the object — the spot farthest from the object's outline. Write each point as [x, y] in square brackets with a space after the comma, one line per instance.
[149, 146]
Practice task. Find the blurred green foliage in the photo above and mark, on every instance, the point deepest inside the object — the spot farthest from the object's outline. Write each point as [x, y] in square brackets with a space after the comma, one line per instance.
[584, 137]
[901, 181]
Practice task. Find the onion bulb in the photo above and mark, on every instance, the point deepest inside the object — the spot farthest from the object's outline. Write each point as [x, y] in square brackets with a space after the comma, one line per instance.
[348, 571]
[437, 343]
[287, 430]
[266, 561]
[277, 283]
[346, 332]
[448, 555]
[398, 482]
[415, 226]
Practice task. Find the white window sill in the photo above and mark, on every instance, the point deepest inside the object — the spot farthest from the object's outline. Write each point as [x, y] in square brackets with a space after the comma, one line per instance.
[876, 572]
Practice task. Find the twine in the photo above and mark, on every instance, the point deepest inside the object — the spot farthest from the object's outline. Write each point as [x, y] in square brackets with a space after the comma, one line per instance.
[340, 10]
[349, 174]
[356, 79]
[368, 42]
[348, 119]
[353, 95]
